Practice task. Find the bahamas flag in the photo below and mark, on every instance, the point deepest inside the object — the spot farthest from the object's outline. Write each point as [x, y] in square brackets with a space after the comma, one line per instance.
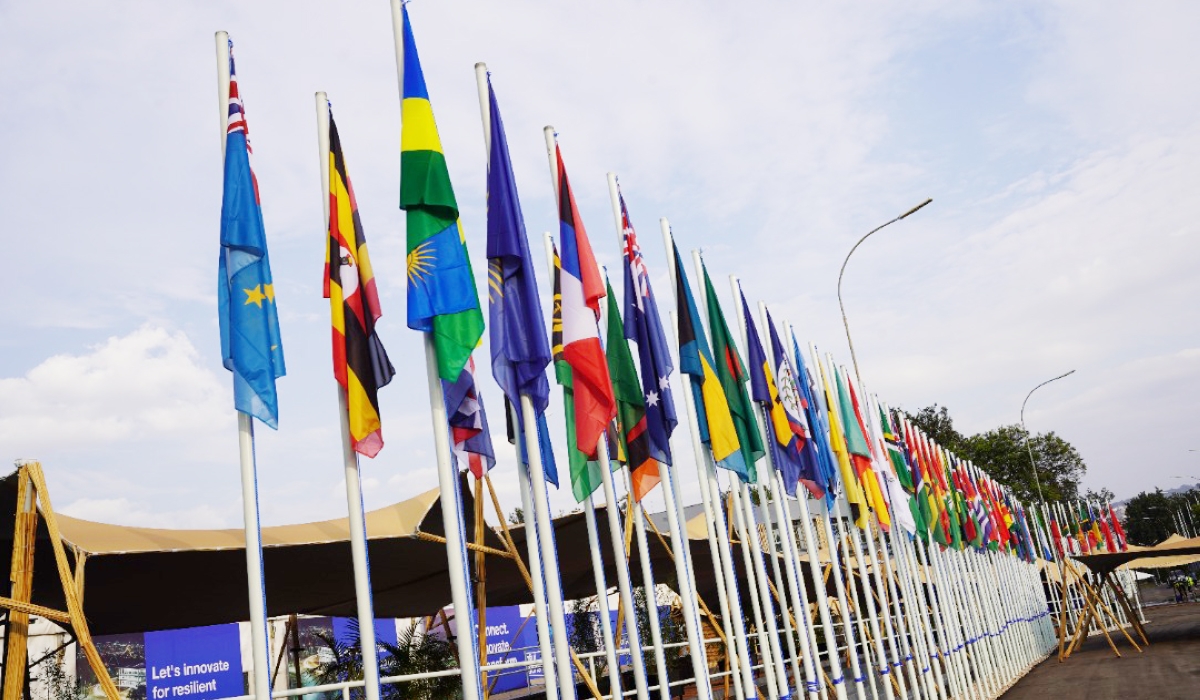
[713, 417]
[250, 343]
[442, 298]
[733, 376]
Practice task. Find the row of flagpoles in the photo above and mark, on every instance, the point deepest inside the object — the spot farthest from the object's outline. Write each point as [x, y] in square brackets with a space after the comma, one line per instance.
[934, 566]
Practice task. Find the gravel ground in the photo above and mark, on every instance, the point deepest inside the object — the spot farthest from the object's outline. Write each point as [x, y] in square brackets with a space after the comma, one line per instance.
[1168, 669]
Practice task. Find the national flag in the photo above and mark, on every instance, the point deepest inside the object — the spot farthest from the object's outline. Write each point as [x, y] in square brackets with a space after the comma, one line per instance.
[1056, 535]
[837, 444]
[860, 450]
[251, 347]
[584, 468]
[644, 327]
[923, 512]
[469, 435]
[899, 456]
[732, 374]
[713, 417]
[442, 298]
[360, 364]
[793, 387]
[581, 289]
[1116, 523]
[785, 436]
[520, 349]
[818, 420]
[632, 434]
[898, 500]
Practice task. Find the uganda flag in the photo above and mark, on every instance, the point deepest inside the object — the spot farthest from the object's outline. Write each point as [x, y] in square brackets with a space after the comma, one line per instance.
[360, 363]
[442, 298]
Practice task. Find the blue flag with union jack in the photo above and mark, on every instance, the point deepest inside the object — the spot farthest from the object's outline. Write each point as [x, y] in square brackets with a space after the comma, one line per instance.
[644, 327]
[251, 347]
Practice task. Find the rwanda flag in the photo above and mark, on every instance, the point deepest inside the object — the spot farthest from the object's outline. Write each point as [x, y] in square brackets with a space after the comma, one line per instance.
[442, 298]
[250, 344]
[713, 418]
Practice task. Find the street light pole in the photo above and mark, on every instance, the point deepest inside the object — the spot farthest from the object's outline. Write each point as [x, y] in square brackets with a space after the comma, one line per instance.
[910, 212]
[1033, 465]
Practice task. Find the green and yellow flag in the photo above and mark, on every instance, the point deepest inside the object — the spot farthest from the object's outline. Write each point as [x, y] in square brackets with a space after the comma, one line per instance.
[442, 298]
[732, 373]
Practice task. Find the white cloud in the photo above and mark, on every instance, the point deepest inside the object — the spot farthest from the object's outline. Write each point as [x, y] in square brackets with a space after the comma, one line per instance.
[144, 386]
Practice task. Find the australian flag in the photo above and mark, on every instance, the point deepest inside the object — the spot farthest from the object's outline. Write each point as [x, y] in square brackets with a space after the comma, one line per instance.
[644, 327]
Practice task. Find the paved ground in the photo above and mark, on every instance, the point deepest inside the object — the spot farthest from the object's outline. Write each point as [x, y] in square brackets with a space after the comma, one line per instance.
[1169, 669]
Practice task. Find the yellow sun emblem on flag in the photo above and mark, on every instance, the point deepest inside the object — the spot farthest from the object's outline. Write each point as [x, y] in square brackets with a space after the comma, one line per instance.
[420, 262]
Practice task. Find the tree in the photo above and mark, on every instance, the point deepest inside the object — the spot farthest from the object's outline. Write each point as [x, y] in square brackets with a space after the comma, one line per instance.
[1149, 518]
[1003, 454]
[936, 423]
[415, 652]
[1103, 496]
[517, 517]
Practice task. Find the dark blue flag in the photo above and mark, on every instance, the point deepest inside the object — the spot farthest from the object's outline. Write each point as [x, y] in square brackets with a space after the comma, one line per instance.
[818, 418]
[520, 348]
[644, 327]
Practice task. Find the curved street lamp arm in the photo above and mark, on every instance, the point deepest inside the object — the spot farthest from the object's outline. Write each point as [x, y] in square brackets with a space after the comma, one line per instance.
[845, 323]
[1032, 463]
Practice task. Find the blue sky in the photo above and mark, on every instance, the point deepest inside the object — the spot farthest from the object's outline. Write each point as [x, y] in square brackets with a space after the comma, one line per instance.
[1059, 141]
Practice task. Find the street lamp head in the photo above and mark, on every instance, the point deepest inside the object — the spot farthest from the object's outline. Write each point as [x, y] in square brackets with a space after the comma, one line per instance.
[915, 209]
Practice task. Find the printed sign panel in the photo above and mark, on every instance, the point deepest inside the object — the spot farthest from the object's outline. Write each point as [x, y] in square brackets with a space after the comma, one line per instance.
[197, 663]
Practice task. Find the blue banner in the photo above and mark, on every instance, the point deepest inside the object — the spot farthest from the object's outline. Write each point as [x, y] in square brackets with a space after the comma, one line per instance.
[196, 663]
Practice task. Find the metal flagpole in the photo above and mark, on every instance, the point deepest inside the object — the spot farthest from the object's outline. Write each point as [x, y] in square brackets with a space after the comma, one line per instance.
[612, 509]
[684, 575]
[831, 546]
[612, 654]
[250, 514]
[851, 584]
[820, 590]
[718, 541]
[603, 612]
[545, 642]
[763, 494]
[448, 483]
[931, 657]
[649, 590]
[354, 503]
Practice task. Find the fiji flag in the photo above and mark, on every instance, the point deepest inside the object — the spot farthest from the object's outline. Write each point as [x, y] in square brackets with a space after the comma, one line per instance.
[644, 327]
[250, 343]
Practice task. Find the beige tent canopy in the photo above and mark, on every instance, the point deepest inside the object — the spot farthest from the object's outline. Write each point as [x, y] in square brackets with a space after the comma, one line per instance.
[1171, 552]
[140, 579]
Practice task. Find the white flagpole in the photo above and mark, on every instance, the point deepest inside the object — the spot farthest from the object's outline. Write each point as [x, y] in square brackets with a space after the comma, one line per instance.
[545, 643]
[755, 581]
[685, 575]
[818, 580]
[249, 472]
[637, 513]
[611, 510]
[357, 520]
[611, 653]
[750, 530]
[736, 648]
[649, 590]
[718, 513]
[845, 587]
[448, 483]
